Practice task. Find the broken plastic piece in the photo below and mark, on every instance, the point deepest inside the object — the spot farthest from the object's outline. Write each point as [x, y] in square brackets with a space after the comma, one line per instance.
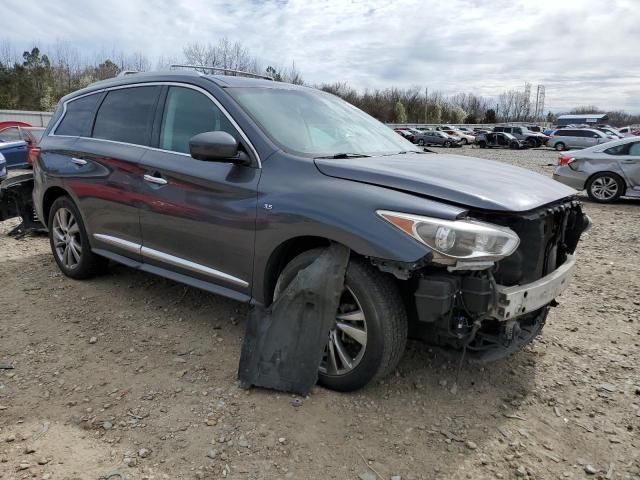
[284, 344]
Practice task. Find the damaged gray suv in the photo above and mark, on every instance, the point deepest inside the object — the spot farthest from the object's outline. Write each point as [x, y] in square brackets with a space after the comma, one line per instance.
[233, 185]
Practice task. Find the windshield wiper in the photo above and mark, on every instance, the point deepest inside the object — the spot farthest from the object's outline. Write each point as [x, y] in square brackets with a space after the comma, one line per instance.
[402, 153]
[346, 155]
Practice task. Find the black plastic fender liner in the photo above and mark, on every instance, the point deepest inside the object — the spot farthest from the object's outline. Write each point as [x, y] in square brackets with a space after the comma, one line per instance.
[16, 201]
[284, 344]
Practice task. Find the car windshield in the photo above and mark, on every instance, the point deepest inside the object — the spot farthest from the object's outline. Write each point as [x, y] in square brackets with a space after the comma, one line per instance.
[316, 124]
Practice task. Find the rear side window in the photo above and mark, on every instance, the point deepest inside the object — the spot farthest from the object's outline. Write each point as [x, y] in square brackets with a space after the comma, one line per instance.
[634, 149]
[77, 119]
[188, 112]
[588, 134]
[618, 150]
[126, 115]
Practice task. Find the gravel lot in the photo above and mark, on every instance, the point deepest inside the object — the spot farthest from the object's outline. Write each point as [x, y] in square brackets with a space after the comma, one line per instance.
[134, 374]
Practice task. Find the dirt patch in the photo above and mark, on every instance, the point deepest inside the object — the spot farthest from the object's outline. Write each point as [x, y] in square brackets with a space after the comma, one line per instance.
[136, 374]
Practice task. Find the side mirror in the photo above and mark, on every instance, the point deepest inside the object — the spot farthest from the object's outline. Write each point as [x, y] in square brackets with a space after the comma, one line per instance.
[217, 147]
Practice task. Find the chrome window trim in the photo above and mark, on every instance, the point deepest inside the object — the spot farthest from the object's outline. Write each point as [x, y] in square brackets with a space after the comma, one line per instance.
[168, 259]
[147, 84]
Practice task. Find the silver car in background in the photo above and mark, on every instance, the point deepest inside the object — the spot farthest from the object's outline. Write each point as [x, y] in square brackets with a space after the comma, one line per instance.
[436, 137]
[607, 171]
[566, 138]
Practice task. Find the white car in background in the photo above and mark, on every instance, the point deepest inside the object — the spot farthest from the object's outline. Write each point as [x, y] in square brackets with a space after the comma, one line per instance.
[606, 171]
[629, 131]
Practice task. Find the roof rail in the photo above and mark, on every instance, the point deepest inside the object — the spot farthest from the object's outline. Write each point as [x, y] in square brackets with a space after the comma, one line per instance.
[226, 70]
[124, 73]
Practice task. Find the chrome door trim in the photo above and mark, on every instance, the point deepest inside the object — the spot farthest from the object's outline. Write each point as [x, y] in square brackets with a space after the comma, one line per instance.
[156, 180]
[169, 259]
[160, 83]
[191, 266]
[119, 242]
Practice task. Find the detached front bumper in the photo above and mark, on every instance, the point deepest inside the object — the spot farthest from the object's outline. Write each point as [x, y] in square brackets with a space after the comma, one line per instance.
[519, 300]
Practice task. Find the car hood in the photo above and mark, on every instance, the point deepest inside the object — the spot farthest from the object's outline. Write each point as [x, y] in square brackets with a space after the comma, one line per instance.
[467, 181]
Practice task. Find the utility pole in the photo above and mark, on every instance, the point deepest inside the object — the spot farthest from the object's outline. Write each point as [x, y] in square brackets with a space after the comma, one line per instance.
[426, 105]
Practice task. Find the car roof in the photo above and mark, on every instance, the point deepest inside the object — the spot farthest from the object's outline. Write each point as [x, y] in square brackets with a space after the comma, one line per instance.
[185, 76]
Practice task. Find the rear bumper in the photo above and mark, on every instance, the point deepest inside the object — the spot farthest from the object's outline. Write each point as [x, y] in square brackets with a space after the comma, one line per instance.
[519, 300]
[570, 177]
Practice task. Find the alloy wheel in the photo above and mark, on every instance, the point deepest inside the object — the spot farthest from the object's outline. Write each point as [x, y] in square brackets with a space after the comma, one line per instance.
[604, 188]
[347, 338]
[66, 238]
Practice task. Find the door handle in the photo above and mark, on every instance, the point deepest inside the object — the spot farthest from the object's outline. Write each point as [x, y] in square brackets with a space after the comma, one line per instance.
[78, 161]
[156, 180]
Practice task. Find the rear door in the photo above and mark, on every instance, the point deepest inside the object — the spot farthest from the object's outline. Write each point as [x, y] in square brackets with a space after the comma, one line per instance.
[198, 217]
[105, 177]
[630, 164]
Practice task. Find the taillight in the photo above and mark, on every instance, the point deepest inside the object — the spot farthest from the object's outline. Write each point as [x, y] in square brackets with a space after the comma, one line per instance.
[33, 154]
[564, 160]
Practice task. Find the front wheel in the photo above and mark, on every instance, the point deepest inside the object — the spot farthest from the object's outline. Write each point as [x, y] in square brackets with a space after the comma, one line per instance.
[482, 144]
[369, 334]
[69, 241]
[421, 142]
[559, 146]
[447, 144]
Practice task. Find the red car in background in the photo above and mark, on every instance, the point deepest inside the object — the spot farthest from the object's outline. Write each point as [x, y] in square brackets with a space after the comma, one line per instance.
[20, 131]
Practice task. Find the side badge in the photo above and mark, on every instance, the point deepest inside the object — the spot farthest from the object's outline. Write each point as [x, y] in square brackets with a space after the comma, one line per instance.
[268, 206]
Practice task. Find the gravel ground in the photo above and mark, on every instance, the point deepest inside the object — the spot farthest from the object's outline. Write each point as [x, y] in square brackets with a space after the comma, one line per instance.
[132, 374]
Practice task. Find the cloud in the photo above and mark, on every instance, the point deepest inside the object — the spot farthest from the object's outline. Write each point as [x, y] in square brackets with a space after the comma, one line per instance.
[583, 52]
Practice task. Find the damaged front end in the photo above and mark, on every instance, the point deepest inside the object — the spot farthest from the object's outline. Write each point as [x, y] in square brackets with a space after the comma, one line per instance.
[492, 307]
[16, 201]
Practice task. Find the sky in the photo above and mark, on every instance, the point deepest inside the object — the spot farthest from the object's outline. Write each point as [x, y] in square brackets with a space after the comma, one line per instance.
[585, 52]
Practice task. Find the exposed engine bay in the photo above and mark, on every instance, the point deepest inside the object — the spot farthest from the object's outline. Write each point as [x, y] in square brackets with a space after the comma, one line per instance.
[493, 310]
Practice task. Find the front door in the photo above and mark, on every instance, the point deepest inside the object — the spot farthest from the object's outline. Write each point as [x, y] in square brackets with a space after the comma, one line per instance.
[199, 217]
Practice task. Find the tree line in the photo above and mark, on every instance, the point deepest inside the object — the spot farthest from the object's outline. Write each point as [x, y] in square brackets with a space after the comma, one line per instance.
[37, 79]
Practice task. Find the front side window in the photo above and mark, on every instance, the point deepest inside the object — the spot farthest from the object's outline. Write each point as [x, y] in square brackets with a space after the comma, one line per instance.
[11, 134]
[188, 112]
[78, 116]
[126, 115]
[294, 118]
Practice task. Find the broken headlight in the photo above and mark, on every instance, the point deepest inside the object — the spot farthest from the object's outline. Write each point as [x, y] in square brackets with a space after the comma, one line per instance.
[457, 239]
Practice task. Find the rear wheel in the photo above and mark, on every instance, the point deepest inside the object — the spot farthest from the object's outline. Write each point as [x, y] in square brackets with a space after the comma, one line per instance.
[605, 187]
[69, 241]
[559, 146]
[370, 331]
